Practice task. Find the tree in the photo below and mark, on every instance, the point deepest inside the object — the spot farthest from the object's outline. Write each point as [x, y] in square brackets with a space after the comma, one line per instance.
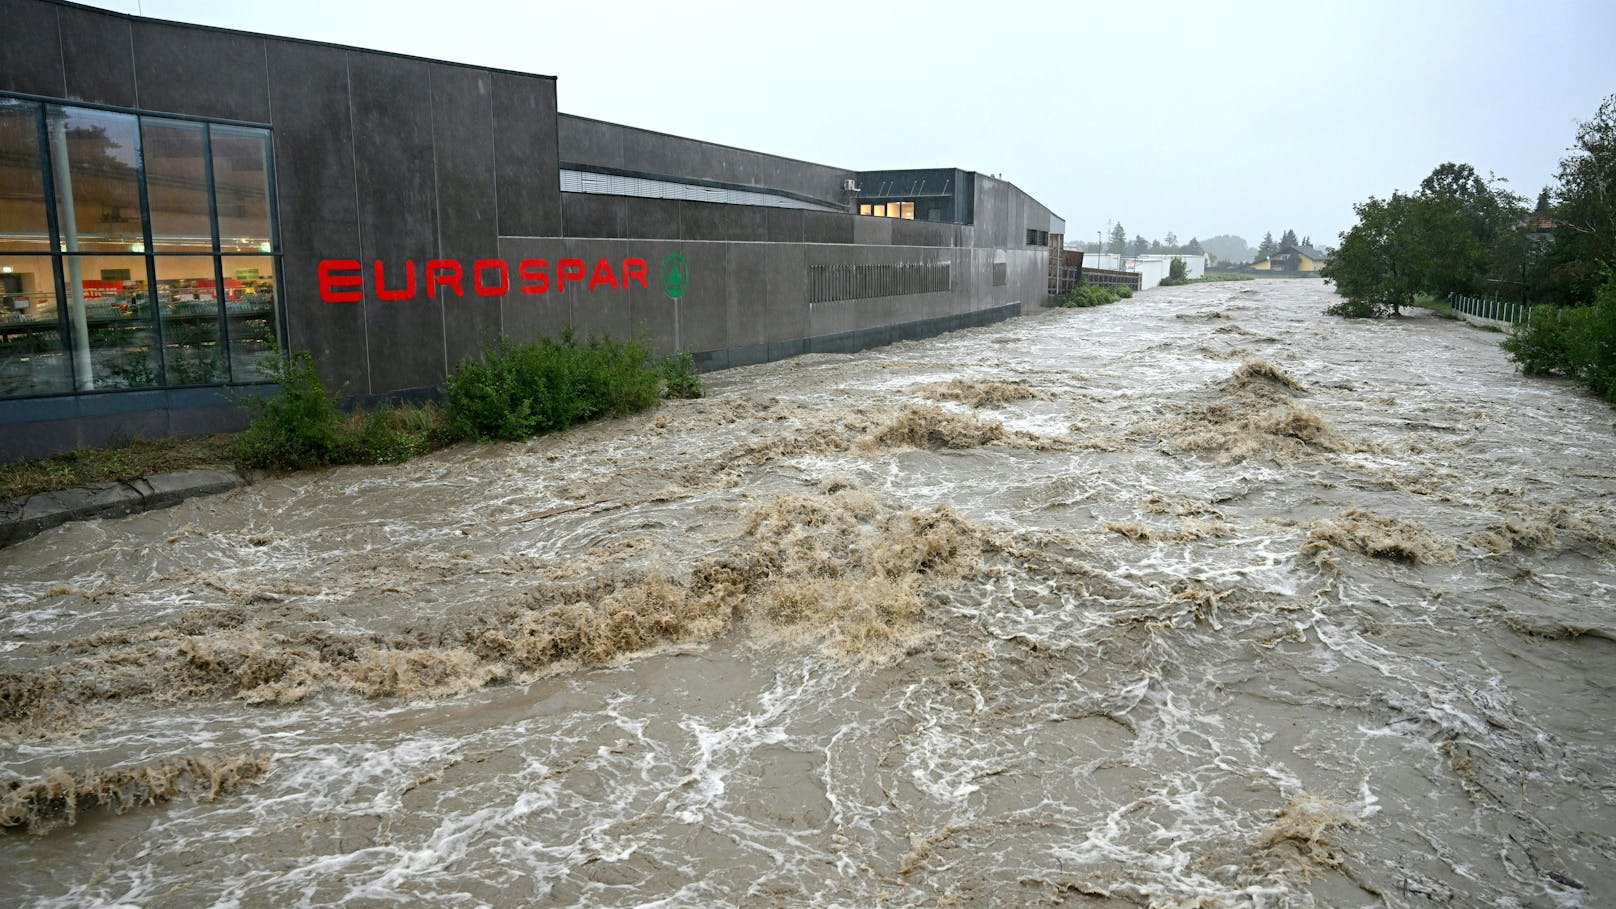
[1140, 245]
[1407, 244]
[1228, 247]
[1119, 240]
[1376, 267]
[1586, 200]
[1308, 242]
[1288, 238]
[1171, 242]
[1266, 248]
[1156, 246]
[1193, 248]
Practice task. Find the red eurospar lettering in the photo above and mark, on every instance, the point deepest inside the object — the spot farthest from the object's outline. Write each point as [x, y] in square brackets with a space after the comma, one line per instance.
[345, 280]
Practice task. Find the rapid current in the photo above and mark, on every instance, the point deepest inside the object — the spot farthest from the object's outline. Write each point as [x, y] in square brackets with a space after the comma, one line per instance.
[1201, 599]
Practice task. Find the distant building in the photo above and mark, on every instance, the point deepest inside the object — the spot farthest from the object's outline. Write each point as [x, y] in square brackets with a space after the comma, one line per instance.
[1293, 258]
[1151, 268]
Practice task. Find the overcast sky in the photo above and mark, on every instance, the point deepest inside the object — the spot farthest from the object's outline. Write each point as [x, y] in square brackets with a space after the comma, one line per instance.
[1199, 119]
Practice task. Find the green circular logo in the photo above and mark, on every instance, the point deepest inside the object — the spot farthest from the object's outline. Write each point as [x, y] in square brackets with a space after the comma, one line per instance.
[675, 275]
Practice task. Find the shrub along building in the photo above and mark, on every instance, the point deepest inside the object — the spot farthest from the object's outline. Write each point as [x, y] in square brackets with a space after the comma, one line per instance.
[179, 202]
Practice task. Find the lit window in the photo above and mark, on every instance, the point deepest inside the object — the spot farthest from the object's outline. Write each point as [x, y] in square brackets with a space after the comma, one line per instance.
[119, 282]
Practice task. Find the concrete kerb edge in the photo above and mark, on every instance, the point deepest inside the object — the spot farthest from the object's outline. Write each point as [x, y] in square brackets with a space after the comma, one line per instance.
[27, 516]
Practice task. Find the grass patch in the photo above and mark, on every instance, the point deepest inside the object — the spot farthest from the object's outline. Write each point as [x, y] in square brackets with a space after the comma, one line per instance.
[1435, 304]
[1212, 277]
[122, 460]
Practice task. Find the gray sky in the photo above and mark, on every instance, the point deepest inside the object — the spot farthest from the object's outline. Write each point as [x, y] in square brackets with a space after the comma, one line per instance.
[1200, 119]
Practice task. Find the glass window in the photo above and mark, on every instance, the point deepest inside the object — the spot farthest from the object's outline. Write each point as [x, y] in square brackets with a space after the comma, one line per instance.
[109, 315]
[249, 286]
[33, 359]
[241, 187]
[95, 157]
[90, 308]
[880, 211]
[175, 156]
[23, 225]
[864, 209]
[908, 210]
[188, 299]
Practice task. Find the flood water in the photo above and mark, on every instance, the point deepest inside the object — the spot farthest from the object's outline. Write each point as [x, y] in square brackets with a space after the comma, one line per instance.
[1201, 599]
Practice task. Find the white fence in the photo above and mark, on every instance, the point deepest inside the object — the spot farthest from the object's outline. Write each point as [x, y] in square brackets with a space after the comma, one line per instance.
[1484, 309]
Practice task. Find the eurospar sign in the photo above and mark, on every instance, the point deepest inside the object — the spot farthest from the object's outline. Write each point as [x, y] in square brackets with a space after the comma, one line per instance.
[346, 280]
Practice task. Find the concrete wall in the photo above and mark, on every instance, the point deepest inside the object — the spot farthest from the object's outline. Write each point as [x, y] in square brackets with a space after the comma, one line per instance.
[615, 147]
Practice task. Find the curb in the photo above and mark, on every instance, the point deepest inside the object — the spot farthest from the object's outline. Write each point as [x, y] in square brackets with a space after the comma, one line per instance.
[24, 517]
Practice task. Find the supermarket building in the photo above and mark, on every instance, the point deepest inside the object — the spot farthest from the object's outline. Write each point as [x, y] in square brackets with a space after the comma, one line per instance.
[176, 202]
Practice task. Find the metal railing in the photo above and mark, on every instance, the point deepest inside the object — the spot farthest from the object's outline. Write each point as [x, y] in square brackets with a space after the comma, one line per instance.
[1494, 309]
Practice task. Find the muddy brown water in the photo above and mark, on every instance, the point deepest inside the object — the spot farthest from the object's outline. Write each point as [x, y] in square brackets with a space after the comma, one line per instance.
[1071, 609]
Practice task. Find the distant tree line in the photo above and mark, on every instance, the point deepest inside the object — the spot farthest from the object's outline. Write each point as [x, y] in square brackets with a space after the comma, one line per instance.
[1461, 233]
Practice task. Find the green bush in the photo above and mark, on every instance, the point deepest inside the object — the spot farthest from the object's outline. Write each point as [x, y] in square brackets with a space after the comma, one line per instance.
[297, 428]
[1124, 293]
[515, 391]
[1579, 342]
[680, 378]
[392, 434]
[1086, 295]
[1178, 272]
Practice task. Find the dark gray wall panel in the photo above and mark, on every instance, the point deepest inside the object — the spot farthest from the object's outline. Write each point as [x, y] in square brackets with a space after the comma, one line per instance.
[465, 190]
[525, 156]
[604, 310]
[827, 227]
[315, 195]
[703, 312]
[786, 305]
[97, 57]
[201, 72]
[393, 158]
[528, 317]
[585, 141]
[785, 225]
[586, 215]
[31, 52]
[717, 221]
[652, 219]
[747, 293]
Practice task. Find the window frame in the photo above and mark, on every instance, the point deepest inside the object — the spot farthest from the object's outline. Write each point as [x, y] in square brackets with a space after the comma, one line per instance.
[45, 160]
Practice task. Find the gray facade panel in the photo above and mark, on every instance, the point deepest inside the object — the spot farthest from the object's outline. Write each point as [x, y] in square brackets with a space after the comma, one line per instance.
[397, 204]
[785, 226]
[465, 192]
[530, 316]
[201, 72]
[586, 215]
[593, 142]
[31, 53]
[525, 156]
[98, 57]
[317, 201]
[747, 294]
[715, 221]
[827, 227]
[652, 219]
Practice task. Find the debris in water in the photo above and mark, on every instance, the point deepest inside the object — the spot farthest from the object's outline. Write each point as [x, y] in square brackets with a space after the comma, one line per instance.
[984, 392]
[59, 797]
[1377, 536]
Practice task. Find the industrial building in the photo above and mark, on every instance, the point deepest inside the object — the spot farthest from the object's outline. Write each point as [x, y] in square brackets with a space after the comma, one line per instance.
[178, 202]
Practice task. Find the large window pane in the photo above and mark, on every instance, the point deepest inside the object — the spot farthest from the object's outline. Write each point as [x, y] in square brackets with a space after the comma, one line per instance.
[249, 283]
[109, 313]
[177, 185]
[95, 155]
[23, 226]
[33, 359]
[241, 186]
[188, 299]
